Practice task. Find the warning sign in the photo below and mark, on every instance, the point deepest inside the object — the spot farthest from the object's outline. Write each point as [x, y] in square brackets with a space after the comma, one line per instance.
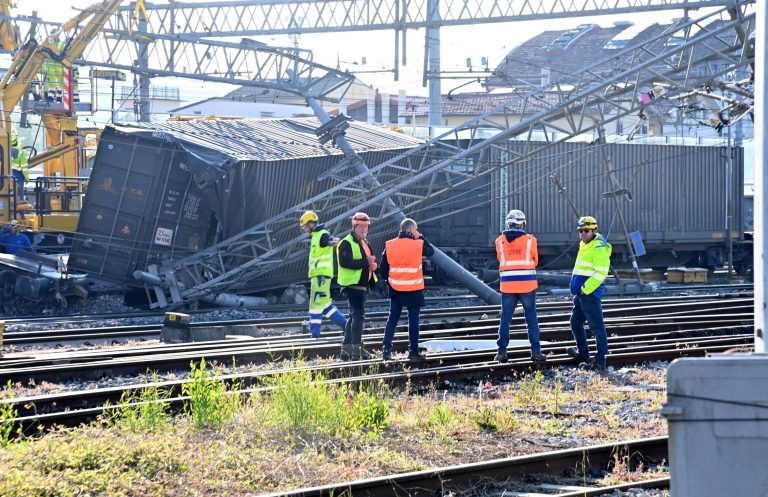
[164, 236]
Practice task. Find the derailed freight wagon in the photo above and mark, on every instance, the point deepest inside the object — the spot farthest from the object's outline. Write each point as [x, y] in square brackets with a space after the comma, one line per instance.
[677, 197]
[167, 190]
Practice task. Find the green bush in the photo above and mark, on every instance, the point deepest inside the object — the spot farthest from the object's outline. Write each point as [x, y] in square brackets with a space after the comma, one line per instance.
[146, 410]
[367, 412]
[211, 403]
[8, 415]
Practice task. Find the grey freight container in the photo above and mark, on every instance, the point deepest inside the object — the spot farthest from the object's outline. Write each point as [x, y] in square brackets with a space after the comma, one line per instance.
[678, 201]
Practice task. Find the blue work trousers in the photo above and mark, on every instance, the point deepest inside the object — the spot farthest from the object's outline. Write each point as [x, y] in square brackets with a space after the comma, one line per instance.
[589, 308]
[508, 304]
[395, 308]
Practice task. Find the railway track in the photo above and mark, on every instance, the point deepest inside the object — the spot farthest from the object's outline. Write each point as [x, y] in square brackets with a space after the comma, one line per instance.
[451, 371]
[565, 473]
[92, 364]
[430, 319]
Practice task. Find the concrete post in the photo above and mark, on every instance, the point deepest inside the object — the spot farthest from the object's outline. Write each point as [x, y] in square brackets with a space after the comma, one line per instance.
[385, 108]
[401, 101]
[371, 117]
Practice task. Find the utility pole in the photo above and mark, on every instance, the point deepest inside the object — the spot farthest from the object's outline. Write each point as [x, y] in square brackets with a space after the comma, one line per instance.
[761, 176]
[432, 72]
[617, 190]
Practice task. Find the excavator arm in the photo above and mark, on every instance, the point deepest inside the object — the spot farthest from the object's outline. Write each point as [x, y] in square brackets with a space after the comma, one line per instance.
[26, 65]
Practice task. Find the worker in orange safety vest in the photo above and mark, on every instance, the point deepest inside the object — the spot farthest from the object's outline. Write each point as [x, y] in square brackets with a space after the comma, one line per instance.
[518, 255]
[401, 267]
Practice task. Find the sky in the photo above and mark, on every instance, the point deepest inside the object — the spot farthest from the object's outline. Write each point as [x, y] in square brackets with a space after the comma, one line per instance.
[459, 43]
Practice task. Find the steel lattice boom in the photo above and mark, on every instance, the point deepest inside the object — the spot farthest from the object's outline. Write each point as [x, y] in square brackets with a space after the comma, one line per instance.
[604, 92]
[254, 17]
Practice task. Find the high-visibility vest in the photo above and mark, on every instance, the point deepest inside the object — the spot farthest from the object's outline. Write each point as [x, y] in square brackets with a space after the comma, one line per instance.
[320, 258]
[593, 262]
[347, 276]
[517, 263]
[405, 271]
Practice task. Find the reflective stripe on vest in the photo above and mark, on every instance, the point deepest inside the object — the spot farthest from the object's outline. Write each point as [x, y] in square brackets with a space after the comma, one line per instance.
[405, 271]
[347, 276]
[517, 269]
[320, 258]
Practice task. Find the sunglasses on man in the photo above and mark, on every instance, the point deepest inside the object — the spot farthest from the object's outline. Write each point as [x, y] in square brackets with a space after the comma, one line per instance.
[584, 230]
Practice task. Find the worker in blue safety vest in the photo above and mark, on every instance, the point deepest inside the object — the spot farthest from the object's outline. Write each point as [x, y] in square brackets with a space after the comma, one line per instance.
[320, 274]
[518, 256]
[588, 285]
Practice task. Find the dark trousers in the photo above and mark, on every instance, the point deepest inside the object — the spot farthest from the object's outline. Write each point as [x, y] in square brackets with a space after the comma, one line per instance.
[589, 308]
[395, 308]
[508, 303]
[19, 177]
[353, 330]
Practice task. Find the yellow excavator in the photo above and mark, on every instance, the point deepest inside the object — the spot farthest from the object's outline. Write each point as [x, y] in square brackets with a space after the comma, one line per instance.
[60, 189]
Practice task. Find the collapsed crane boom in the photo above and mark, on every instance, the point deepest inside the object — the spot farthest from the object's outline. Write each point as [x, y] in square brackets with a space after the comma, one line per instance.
[605, 92]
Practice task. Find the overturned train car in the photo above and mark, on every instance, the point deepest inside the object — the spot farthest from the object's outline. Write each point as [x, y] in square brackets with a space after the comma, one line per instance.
[683, 200]
[167, 190]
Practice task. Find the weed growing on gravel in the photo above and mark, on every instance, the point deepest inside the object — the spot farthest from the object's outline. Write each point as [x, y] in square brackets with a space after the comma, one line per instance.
[557, 392]
[303, 402]
[484, 418]
[146, 410]
[367, 412]
[530, 389]
[8, 415]
[211, 403]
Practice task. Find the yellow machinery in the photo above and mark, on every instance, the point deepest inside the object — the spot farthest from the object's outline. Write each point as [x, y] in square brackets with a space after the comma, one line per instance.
[61, 162]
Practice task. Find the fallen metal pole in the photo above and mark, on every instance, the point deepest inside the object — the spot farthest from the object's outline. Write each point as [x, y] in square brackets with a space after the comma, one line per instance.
[451, 268]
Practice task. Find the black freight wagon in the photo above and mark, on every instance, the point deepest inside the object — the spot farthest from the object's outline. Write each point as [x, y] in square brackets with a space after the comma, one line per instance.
[167, 190]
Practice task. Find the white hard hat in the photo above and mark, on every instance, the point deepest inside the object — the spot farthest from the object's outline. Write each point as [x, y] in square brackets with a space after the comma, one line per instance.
[515, 217]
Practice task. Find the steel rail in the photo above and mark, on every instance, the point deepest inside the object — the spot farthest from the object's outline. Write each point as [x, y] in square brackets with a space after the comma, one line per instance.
[442, 481]
[97, 363]
[152, 331]
[444, 370]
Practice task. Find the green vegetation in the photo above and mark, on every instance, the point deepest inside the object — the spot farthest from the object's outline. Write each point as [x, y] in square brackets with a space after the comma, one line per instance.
[7, 415]
[304, 431]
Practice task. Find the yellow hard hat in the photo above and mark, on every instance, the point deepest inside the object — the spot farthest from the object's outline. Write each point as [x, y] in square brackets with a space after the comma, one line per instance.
[14, 222]
[308, 217]
[587, 222]
[360, 218]
[14, 140]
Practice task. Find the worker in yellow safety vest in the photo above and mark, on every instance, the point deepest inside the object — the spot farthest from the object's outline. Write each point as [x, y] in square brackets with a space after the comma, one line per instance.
[356, 276]
[401, 266]
[518, 256]
[19, 165]
[320, 274]
[587, 285]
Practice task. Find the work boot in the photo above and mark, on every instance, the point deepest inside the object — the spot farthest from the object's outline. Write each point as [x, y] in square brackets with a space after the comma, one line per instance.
[538, 357]
[364, 354]
[356, 352]
[386, 355]
[415, 356]
[593, 365]
[501, 356]
[574, 353]
[347, 351]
